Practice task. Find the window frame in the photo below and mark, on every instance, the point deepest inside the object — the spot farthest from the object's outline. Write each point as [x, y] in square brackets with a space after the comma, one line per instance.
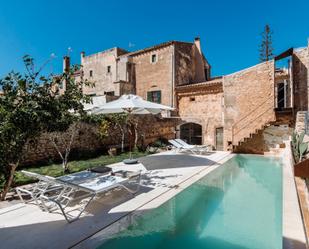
[154, 55]
[151, 96]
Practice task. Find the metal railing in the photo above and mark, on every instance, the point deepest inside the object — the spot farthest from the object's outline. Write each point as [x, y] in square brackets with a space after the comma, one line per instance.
[247, 121]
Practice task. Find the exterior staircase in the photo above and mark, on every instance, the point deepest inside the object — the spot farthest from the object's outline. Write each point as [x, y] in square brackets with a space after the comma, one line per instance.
[253, 122]
[247, 132]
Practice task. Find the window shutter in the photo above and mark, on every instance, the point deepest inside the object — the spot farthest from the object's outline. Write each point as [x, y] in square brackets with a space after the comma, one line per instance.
[159, 97]
[149, 96]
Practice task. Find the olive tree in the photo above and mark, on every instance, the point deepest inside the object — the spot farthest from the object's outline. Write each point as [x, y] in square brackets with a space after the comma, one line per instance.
[31, 105]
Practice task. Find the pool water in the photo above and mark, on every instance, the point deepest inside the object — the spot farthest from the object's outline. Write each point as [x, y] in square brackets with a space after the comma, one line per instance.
[237, 206]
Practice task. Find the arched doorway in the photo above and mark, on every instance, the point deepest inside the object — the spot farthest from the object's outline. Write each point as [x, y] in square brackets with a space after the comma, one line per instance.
[191, 133]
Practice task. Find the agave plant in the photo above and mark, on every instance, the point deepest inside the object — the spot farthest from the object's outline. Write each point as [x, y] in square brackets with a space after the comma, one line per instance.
[299, 147]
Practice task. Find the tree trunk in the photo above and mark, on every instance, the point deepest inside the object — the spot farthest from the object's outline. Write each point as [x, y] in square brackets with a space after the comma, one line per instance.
[122, 138]
[136, 135]
[8, 181]
[64, 156]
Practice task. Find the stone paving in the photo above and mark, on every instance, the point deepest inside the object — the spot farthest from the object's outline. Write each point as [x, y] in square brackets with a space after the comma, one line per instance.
[26, 226]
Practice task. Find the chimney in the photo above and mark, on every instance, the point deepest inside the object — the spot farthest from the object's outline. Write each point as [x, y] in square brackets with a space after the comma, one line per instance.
[197, 43]
[66, 64]
[82, 55]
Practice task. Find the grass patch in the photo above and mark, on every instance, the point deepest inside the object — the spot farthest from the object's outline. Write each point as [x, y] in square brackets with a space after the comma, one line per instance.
[55, 170]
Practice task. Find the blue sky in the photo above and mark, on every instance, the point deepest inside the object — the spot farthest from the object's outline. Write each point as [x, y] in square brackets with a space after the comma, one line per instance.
[229, 30]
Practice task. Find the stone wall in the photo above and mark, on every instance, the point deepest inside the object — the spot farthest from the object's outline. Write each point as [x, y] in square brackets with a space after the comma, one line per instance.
[155, 76]
[265, 140]
[248, 102]
[202, 104]
[302, 122]
[98, 63]
[189, 64]
[300, 62]
[87, 142]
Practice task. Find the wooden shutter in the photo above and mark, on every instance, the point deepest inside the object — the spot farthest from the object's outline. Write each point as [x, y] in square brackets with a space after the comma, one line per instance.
[159, 97]
[149, 96]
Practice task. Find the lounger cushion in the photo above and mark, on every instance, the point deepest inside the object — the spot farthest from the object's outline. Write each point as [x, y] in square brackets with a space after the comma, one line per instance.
[101, 169]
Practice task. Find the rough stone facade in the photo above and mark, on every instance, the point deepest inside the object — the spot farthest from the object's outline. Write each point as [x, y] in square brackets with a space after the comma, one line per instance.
[116, 71]
[101, 68]
[87, 141]
[155, 76]
[248, 102]
[243, 104]
[300, 61]
[202, 104]
[190, 65]
[265, 140]
[302, 122]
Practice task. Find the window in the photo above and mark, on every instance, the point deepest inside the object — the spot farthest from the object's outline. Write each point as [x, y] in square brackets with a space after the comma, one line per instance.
[111, 93]
[108, 69]
[153, 58]
[154, 96]
[192, 98]
[90, 73]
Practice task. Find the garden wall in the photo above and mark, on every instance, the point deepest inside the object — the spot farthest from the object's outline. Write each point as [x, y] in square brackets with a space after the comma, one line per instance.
[87, 142]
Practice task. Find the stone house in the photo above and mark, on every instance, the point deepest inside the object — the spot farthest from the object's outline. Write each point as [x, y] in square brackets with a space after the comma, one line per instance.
[233, 111]
[152, 73]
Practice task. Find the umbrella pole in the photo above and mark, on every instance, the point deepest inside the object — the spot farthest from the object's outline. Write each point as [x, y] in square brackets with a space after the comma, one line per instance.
[130, 138]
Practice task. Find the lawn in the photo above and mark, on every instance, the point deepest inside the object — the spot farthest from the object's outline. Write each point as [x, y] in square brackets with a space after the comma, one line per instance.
[55, 170]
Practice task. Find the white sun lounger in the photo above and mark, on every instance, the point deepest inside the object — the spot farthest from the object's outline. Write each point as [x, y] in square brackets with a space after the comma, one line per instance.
[186, 145]
[44, 185]
[80, 189]
[181, 148]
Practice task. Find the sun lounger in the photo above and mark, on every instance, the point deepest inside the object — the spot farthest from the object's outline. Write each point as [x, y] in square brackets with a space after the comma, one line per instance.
[180, 145]
[186, 145]
[46, 184]
[80, 189]
[181, 148]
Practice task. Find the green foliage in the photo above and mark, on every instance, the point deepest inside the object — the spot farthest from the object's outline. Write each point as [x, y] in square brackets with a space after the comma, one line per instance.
[302, 149]
[104, 128]
[160, 143]
[31, 105]
[298, 146]
[266, 47]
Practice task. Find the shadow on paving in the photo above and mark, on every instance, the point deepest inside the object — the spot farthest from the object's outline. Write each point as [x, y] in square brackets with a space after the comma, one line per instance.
[173, 161]
[59, 233]
[289, 243]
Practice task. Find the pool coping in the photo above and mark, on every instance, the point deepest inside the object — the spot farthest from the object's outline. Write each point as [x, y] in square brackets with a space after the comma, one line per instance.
[106, 233]
[293, 232]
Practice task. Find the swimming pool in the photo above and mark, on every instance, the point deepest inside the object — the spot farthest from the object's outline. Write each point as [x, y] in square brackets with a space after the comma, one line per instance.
[237, 206]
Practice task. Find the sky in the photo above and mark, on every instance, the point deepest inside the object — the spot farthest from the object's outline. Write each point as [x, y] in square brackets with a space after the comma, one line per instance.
[230, 30]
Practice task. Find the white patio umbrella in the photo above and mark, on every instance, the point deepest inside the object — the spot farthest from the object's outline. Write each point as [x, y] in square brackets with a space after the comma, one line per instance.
[131, 104]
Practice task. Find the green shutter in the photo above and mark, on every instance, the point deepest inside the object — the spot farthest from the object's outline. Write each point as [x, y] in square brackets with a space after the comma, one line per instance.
[149, 96]
[159, 97]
